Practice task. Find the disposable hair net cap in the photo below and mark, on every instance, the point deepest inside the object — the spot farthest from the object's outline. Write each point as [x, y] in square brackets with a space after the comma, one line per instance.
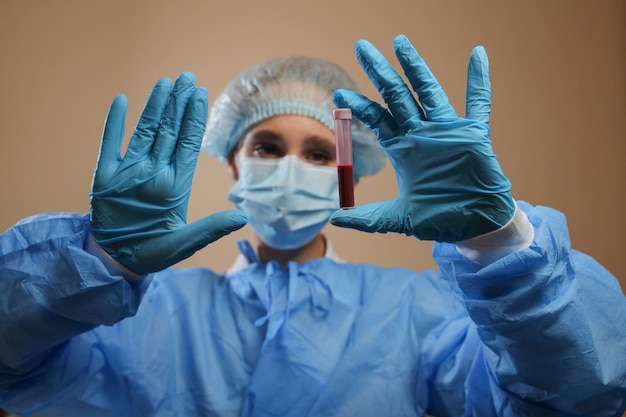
[295, 85]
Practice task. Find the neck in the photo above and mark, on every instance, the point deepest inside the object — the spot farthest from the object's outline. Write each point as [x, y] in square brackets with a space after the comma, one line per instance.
[312, 250]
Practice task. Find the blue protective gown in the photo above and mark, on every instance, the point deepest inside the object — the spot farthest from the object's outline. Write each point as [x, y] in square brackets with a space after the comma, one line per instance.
[538, 333]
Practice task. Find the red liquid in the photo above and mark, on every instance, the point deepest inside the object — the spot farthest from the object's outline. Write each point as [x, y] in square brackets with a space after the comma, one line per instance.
[346, 186]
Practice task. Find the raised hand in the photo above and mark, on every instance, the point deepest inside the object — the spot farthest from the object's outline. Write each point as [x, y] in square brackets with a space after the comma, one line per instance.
[139, 201]
[450, 185]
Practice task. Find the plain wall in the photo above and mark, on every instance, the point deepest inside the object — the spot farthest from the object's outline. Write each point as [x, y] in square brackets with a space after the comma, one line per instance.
[559, 98]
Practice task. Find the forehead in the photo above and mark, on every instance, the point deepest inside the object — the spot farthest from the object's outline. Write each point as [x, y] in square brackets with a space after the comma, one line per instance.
[291, 129]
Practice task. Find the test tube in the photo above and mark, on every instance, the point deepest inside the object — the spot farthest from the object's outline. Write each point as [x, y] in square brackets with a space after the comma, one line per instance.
[343, 143]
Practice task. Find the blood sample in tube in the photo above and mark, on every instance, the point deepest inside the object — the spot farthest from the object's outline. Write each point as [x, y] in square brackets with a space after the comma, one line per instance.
[343, 143]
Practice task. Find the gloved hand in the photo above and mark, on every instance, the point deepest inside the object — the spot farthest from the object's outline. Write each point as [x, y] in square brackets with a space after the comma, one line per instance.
[450, 186]
[139, 202]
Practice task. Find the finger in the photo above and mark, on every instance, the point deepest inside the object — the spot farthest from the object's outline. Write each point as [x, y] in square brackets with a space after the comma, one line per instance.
[172, 120]
[112, 136]
[376, 117]
[478, 98]
[391, 86]
[431, 96]
[192, 130]
[215, 226]
[369, 218]
[145, 133]
[195, 236]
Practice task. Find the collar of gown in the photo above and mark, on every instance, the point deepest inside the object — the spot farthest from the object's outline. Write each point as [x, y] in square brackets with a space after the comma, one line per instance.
[242, 260]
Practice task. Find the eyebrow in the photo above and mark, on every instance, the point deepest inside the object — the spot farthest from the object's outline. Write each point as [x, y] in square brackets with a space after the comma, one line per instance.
[319, 142]
[310, 142]
[259, 136]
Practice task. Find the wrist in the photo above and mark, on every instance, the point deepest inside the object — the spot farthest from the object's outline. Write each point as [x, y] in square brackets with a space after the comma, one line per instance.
[484, 249]
[113, 266]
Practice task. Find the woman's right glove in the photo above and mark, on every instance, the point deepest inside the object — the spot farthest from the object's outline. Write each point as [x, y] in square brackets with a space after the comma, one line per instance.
[450, 185]
[139, 202]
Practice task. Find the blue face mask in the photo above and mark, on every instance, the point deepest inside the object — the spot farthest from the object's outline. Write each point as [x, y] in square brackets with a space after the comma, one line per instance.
[287, 201]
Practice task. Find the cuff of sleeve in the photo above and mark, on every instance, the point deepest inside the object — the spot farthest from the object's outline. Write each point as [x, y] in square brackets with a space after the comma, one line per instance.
[113, 266]
[516, 235]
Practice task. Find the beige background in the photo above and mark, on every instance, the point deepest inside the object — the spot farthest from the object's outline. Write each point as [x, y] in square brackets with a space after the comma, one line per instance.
[558, 73]
[559, 96]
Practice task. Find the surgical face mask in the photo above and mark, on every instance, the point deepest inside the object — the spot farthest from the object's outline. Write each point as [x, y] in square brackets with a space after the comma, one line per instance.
[287, 201]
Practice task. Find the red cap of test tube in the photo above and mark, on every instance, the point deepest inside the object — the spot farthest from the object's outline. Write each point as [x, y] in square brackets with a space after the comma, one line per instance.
[342, 114]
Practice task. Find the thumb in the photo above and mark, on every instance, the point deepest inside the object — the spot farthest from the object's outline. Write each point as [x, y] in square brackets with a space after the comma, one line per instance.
[211, 228]
[164, 251]
[186, 240]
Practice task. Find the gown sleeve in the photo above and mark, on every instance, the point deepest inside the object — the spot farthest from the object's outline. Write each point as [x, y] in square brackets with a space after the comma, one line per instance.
[549, 321]
[51, 291]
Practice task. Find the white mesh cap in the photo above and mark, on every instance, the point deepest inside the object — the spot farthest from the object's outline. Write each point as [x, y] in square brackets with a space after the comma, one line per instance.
[287, 85]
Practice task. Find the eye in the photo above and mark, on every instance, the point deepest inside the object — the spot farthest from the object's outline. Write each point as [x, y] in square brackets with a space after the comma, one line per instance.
[320, 157]
[319, 151]
[266, 150]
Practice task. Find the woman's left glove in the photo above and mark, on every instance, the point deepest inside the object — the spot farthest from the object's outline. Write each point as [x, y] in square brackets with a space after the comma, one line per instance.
[450, 185]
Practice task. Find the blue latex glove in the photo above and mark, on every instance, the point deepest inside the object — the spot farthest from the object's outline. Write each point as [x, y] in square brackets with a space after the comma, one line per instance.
[139, 202]
[450, 186]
